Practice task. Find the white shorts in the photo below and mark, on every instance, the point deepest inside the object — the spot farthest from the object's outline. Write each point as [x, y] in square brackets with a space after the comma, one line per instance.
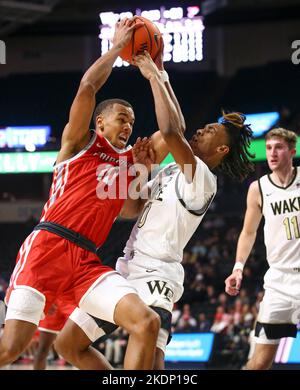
[285, 282]
[87, 324]
[276, 309]
[102, 298]
[158, 283]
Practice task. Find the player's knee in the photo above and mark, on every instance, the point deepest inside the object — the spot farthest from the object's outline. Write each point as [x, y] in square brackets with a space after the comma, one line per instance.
[68, 351]
[149, 323]
[154, 322]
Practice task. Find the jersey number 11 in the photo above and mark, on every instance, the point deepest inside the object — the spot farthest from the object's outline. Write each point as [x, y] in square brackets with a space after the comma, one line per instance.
[287, 224]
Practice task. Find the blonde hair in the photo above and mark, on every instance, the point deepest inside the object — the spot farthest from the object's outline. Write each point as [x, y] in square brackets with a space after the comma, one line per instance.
[236, 118]
[287, 135]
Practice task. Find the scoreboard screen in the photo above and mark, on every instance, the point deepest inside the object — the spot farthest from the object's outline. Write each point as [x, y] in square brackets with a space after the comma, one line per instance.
[181, 27]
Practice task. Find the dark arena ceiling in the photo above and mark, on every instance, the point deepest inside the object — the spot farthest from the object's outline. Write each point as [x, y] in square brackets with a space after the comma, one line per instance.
[26, 17]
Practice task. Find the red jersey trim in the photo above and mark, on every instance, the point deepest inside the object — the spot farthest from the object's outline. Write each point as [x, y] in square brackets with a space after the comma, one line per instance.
[119, 151]
[91, 142]
[24, 251]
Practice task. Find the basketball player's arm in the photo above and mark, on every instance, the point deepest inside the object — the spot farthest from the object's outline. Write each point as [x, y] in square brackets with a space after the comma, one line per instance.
[76, 133]
[168, 119]
[246, 239]
[159, 144]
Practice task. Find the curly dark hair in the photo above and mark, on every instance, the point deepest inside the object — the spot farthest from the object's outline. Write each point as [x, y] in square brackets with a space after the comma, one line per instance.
[236, 164]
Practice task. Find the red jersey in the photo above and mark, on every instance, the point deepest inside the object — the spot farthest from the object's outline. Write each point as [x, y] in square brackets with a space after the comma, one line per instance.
[89, 190]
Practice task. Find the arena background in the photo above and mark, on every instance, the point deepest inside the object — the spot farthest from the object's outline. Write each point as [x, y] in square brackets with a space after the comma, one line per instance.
[250, 64]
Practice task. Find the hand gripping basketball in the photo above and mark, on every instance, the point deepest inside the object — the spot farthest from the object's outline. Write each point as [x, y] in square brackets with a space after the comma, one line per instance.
[145, 38]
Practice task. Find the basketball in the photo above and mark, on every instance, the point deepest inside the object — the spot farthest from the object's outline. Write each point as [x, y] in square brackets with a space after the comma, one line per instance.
[144, 38]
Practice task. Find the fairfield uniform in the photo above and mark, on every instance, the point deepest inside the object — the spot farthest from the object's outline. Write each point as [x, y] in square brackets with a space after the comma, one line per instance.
[59, 257]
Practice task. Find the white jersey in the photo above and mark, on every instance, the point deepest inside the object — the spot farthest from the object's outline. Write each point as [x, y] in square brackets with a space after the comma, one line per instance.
[281, 209]
[172, 214]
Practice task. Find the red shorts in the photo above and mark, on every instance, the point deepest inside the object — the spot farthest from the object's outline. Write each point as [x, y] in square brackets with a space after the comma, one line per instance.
[56, 317]
[55, 267]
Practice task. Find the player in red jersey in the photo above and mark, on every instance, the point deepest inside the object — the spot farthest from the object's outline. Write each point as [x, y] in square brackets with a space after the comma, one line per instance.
[59, 256]
[48, 328]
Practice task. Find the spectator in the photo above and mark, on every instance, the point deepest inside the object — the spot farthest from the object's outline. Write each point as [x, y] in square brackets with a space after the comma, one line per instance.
[203, 324]
[186, 322]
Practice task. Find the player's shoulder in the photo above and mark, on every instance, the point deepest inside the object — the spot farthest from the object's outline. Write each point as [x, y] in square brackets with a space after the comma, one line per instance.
[260, 185]
[254, 187]
[203, 169]
[254, 193]
[200, 162]
[201, 165]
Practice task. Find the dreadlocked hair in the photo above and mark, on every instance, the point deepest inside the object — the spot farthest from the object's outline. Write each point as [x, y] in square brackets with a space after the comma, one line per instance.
[236, 164]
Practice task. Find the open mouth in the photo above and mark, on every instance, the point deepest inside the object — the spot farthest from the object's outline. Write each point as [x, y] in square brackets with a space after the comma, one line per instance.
[123, 139]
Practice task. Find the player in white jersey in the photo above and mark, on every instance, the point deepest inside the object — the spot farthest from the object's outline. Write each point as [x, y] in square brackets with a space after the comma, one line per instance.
[178, 199]
[275, 196]
[154, 251]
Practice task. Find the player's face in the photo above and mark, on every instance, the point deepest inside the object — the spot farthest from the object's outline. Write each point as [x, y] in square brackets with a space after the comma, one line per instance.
[278, 153]
[207, 140]
[117, 125]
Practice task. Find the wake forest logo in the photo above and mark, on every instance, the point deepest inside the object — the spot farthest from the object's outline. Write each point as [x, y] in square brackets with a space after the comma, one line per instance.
[286, 206]
[162, 288]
